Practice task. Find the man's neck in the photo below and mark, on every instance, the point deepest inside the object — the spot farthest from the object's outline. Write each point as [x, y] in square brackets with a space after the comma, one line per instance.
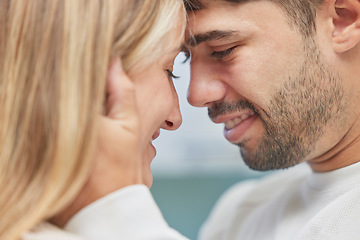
[344, 153]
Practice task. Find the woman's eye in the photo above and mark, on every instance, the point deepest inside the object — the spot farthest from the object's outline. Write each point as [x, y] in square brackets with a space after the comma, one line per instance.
[170, 74]
[187, 56]
[222, 54]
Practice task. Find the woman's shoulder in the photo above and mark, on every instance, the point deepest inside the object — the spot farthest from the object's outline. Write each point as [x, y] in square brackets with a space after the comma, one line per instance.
[46, 231]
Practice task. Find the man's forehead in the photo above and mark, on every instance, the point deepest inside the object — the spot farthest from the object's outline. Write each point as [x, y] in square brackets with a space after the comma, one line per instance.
[203, 25]
[213, 10]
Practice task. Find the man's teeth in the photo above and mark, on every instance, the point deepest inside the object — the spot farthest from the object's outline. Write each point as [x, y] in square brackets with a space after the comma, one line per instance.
[236, 121]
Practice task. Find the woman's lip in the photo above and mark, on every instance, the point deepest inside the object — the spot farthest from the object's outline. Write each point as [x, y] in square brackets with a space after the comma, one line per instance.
[153, 151]
[156, 135]
[235, 134]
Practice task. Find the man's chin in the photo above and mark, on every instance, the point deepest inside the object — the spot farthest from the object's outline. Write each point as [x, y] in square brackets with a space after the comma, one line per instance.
[262, 163]
[251, 161]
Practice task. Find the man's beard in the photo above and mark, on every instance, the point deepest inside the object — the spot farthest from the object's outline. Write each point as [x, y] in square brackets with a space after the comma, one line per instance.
[298, 115]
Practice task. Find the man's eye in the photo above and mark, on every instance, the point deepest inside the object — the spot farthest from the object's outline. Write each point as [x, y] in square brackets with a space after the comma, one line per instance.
[222, 54]
[170, 74]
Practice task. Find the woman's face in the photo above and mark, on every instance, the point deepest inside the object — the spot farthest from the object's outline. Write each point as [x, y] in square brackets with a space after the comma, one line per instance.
[157, 102]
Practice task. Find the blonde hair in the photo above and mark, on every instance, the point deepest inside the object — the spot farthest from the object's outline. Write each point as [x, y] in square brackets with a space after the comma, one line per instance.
[54, 57]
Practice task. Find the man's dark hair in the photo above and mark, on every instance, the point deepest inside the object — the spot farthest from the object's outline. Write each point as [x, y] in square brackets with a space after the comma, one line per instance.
[301, 12]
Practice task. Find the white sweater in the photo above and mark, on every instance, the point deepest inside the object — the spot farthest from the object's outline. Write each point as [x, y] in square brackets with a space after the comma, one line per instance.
[293, 204]
[127, 214]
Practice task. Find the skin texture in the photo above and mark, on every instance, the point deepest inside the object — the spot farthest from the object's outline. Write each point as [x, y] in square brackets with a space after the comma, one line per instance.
[297, 95]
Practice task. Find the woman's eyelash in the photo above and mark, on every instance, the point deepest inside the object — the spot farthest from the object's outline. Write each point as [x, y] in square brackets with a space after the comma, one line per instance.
[222, 54]
[187, 54]
[170, 74]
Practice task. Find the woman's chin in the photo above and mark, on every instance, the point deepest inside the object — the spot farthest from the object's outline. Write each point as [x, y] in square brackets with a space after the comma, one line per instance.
[148, 179]
[148, 157]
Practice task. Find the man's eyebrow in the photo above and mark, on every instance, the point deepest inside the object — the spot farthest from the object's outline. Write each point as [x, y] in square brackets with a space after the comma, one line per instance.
[208, 36]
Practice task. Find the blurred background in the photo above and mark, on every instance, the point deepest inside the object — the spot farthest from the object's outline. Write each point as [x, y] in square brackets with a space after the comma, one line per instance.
[194, 165]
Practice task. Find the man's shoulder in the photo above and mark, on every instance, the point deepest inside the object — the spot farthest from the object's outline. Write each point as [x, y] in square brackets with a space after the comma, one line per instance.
[257, 190]
[247, 195]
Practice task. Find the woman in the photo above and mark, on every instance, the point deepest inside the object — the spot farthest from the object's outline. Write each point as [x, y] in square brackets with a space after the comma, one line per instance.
[69, 127]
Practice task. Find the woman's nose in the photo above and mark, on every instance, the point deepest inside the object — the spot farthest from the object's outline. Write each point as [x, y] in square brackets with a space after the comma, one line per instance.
[174, 119]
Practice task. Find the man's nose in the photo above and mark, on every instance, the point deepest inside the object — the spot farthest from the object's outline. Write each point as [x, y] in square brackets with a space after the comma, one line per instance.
[206, 85]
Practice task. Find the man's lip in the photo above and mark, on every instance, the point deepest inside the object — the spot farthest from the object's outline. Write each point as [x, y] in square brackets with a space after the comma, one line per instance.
[235, 133]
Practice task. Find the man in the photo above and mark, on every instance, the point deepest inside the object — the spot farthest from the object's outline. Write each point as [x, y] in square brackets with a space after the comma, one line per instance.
[283, 78]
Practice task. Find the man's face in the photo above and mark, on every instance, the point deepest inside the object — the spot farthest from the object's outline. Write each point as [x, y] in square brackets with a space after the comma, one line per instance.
[270, 87]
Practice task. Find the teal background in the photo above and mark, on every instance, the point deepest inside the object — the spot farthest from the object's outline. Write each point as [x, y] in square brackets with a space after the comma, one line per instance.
[186, 201]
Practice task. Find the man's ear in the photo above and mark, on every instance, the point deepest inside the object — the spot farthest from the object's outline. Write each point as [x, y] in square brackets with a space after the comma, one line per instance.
[346, 33]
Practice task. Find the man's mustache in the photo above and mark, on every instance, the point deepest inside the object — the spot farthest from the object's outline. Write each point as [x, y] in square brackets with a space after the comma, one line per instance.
[221, 108]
